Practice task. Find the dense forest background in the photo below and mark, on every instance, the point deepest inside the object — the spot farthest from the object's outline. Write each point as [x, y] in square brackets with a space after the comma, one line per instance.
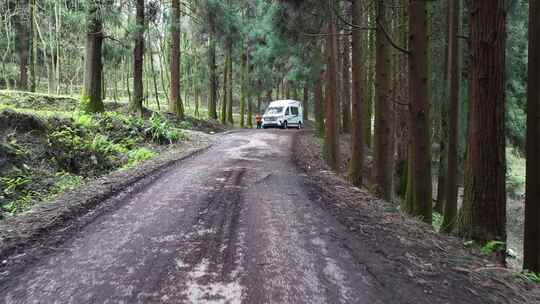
[225, 60]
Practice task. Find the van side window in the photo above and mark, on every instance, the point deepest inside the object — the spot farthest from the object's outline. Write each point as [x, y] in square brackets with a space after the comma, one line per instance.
[294, 111]
[287, 112]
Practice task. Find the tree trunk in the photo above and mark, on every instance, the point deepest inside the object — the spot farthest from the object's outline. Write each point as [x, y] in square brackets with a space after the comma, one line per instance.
[368, 82]
[230, 117]
[128, 72]
[346, 80]
[92, 94]
[24, 35]
[305, 103]
[383, 149]
[243, 88]
[56, 57]
[154, 79]
[175, 101]
[33, 47]
[318, 100]
[212, 80]
[420, 97]
[331, 127]
[483, 216]
[225, 87]
[138, 60]
[401, 108]
[451, 186]
[531, 256]
[357, 131]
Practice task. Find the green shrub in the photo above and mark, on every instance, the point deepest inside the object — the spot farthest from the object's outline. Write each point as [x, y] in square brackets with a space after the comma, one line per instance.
[17, 193]
[65, 182]
[530, 276]
[24, 201]
[437, 220]
[161, 132]
[491, 247]
[84, 120]
[138, 155]
[185, 125]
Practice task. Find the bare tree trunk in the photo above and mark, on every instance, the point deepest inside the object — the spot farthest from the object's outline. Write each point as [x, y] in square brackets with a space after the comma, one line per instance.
[175, 101]
[212, 94]
[357, 141]
[243, 88]
[420, 97]
[305, 103]
[92, 99]
[331, 128]
[154, 78]
[531, 258]
[138, 60]
[230, 118]
[24, 35]
[58, 30]
[384, 146]
[33, 47]
[225, 87]
[451, 191]
[128, 74]
[368, 81]
[483, 215]
[346, 78]
[401, 108]
[319, 104]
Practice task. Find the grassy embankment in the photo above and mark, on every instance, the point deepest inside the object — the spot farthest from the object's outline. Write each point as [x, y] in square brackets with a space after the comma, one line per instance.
[48, 147]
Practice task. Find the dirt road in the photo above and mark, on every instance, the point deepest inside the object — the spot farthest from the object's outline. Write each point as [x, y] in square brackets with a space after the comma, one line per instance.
[234, 224]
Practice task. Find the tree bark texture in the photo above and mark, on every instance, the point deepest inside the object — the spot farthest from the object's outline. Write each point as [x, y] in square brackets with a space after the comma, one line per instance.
[212, 80]
[420, 97]
[451, 186]
[92, 94]
[346, 81]
[531, 252]
[331, 126]
[175, 101]
[384, 147]
[23, 35]
[483, 216]
[357, 117]
[138, 59]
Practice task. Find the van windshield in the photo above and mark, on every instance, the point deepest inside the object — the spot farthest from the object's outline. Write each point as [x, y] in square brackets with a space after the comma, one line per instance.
[274, 110]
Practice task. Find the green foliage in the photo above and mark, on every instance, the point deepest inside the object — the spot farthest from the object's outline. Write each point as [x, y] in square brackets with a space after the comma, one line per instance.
[516, 74]
[515, 174]
[491, 247]
[530, 276]
[138, 155]
[186, 125]
[437, 221]
[11, 185]
[65, 182]
[161, 132]
[17, 193]
[84, 120]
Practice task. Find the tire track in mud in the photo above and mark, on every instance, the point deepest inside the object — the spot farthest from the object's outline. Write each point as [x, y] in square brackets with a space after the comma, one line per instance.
[210, 267]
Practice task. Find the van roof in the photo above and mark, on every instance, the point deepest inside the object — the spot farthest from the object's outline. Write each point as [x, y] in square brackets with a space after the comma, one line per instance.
[284, 102]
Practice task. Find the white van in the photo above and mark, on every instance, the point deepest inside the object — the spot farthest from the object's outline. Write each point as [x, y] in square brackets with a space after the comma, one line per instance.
[284, 114]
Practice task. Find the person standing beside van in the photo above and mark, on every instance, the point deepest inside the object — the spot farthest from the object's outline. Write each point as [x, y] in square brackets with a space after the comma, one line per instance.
[258, 119]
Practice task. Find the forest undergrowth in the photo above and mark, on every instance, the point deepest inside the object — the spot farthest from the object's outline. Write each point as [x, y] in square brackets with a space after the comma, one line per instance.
[48, 147]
